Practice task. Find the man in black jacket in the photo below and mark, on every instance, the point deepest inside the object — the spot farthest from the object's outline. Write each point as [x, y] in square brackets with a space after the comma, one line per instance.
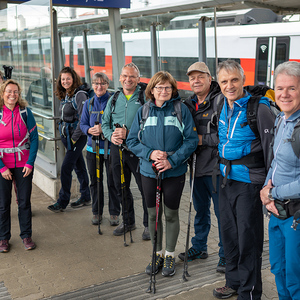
[203, 106]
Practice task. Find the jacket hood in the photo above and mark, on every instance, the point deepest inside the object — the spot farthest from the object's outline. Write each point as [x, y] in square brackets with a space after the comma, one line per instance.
[84, 87]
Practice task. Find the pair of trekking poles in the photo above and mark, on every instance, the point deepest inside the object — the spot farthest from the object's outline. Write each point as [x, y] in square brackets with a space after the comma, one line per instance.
[185, 274]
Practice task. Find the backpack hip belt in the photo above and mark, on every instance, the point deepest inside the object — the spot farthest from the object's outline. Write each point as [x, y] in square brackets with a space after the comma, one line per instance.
[14, 150]
[252, 160]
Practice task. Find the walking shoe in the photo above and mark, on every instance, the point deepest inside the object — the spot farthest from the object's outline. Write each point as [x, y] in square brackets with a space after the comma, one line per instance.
[80, 202]
[114, 220]
[159, 262]
[95, 219]
[28, 243]
[4, 246]
[193, 254]
[146, 234]
[169, 266]
[120, 229]
[224, 292]
[221, 265]
[55, 207]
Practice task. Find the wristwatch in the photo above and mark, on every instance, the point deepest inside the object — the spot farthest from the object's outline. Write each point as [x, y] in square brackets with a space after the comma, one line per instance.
[270, 194]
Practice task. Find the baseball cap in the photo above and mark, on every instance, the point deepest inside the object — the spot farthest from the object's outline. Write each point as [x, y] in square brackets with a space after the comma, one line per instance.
[198, 66]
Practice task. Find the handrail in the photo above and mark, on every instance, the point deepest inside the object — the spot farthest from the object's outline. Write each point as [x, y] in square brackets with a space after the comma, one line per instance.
[44, 116]
[49, 138]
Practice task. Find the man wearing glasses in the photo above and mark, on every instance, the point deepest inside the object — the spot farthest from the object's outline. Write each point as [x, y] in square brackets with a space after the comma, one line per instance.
[121, 111]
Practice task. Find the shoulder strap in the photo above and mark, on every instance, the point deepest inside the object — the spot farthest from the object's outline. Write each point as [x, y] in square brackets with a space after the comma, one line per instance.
[177, 109]
[114, 100]
[145, 114]
[295, 139]
[23, 113]
[91, 105]
[252, 107]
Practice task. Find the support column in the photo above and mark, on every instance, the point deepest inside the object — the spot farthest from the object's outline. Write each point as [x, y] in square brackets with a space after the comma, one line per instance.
[154, 56]
[202, 39]
[117, 49]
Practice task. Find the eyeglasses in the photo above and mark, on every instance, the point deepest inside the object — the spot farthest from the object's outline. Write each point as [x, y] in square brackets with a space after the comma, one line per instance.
[168, 89]
[100, 83]
[12, 92]
[130, 77]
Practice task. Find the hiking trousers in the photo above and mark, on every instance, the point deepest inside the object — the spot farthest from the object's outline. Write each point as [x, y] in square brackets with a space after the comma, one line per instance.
[242, 231]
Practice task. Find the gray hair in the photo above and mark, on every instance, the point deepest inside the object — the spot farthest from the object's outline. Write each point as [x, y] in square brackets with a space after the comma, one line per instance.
[131, 65]
[101, 76]
[230, 65]
[290, 68]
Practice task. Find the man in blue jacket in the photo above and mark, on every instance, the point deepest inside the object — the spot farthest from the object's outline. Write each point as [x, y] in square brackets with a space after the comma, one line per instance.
[243, 157]
[203, 106]
[282, 186]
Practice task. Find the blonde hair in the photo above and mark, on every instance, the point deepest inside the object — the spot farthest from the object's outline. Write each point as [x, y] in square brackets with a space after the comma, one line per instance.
[22, 102]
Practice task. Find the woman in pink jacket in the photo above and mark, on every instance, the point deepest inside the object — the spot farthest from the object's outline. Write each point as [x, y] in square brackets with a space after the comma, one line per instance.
[18, 149]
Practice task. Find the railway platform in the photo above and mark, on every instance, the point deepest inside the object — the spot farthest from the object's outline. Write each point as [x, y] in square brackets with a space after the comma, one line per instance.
[72, 261]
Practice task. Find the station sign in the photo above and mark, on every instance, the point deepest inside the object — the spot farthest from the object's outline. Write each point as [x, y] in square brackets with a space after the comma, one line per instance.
[87, 3]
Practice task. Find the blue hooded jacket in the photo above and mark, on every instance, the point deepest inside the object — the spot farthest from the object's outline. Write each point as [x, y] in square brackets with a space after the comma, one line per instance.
[88, 120]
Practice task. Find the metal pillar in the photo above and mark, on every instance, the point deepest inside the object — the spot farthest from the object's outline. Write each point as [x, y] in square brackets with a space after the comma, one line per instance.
[216, 44]
[117, 49]
[56, 67]
[60, 51]
[87, 68]
[202, 39]
[154, 56]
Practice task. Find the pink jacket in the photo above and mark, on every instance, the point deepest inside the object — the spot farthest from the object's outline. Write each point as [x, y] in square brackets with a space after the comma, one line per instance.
[13, 133]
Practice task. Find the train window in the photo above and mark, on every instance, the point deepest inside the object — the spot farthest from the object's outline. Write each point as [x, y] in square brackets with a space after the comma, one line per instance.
[144, 65]
[262, 53]
[282, 50]
[97, 57]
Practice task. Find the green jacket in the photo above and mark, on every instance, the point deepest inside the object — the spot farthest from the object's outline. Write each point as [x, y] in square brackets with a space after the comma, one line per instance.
[123, 112]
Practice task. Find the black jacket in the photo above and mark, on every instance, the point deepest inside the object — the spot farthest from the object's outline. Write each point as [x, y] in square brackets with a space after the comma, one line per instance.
[205, 119]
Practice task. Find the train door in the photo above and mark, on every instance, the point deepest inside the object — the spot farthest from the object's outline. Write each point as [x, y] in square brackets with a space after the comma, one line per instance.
[270, 52]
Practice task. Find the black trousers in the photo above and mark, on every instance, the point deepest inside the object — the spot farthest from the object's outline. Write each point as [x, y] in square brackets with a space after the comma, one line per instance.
[242, 233]
[130, 166]
[113, 201]
[24, 187]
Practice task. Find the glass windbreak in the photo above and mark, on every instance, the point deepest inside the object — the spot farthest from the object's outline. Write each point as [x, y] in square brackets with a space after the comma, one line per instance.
[25, 46]
[99, 48]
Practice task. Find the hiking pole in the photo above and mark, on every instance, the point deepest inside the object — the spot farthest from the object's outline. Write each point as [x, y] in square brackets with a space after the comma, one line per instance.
[157, 203]
[98, 176]
[185, 264]
[124, 192]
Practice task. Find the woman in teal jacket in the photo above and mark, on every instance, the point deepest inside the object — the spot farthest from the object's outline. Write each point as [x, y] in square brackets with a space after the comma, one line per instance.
[167, 138]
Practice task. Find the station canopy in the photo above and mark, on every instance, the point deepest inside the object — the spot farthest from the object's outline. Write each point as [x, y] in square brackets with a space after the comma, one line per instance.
[86, 3]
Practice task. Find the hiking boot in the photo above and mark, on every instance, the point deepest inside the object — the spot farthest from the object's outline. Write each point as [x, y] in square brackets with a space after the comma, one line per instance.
[221, 265]
[4, 246]
[114, 220]
[224, 292]
[95, 219]
[55, 207]
[120, 229]
[169, 266]
[146, 234]
[28, 243]
[159, 262]
[193, 254]
[80, 202]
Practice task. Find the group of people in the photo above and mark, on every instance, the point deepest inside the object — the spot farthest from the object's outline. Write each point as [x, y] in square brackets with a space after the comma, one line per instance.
[229, 129]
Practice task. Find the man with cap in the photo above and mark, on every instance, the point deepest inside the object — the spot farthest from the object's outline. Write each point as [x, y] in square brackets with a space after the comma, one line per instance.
[203, 106]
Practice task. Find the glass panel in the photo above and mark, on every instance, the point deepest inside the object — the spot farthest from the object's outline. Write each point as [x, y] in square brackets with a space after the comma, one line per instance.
[25, 45]
[262, 64]
[280, 57]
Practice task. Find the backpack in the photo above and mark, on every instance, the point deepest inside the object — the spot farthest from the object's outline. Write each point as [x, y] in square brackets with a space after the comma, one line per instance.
[145, 114]
[257, 93]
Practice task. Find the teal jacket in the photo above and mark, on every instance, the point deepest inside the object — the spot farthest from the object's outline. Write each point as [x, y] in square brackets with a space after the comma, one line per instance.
[123, 112]
[163, 131]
